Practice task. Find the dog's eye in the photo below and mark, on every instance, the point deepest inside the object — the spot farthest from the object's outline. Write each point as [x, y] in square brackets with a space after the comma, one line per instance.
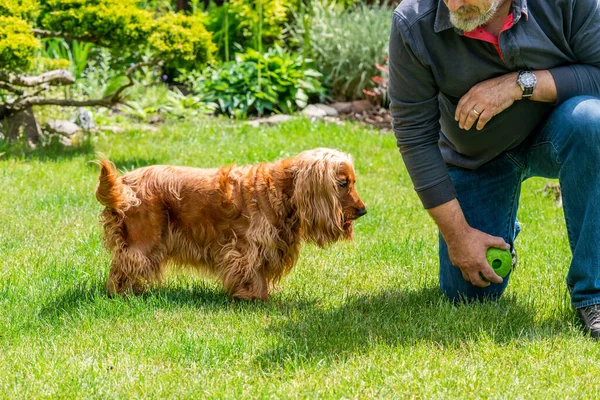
[343, 184]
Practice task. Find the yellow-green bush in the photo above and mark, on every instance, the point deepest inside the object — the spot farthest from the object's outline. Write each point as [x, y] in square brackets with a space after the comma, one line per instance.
[25, 9]
[107, 22]
[17, 44]
[271, 14]
[182, 39]
[118, 24]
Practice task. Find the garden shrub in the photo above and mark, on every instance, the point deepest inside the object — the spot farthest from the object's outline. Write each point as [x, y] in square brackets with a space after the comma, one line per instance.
[117, 24]
[23, 9]
[72, 55]
[255, 83]
[241, 24]
[104, 22]
[182, 39]
[345, 44]
[137, 38]
[271, 15]
[17, 44]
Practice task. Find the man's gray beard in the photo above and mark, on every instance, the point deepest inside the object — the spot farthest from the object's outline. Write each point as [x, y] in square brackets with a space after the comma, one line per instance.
[467, 25]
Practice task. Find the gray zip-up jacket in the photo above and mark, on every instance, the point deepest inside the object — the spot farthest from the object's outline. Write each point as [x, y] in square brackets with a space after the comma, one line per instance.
[432, 65]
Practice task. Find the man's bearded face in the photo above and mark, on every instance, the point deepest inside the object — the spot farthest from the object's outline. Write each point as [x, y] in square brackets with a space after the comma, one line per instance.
[469, 17]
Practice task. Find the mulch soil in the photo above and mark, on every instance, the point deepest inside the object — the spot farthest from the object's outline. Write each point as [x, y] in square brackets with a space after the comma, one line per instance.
[365, 113]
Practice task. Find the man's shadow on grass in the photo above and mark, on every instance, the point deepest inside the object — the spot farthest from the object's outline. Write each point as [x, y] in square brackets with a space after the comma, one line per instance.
[405, 318]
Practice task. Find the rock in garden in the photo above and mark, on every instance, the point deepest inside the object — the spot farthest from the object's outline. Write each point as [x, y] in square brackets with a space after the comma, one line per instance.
[277, 119]
[154, 118]
[314, 112]
[64, 128]
[85, 118]
[331, 112]
[342, 107]
[272, 120]
[359, 106]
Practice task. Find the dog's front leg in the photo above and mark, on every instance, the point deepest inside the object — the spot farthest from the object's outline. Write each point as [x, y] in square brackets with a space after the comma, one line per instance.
[254, 288]
[131, 271]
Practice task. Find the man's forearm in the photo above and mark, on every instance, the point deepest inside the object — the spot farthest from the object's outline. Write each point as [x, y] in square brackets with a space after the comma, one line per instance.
[450, 220]
[466, 245]
[489, 98]
[545, 89]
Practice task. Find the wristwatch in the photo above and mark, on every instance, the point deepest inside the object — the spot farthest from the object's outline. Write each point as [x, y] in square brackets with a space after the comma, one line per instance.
[527, 81]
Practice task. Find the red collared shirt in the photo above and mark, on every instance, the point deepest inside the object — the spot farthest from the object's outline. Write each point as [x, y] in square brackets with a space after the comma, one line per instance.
[480, 33]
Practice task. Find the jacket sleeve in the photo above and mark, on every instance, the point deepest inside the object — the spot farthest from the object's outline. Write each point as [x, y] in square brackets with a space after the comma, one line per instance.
[582, 78]
[415, 118]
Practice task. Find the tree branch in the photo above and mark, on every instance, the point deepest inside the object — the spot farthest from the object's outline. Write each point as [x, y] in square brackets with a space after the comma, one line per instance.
[41, 101]
[139, 65]
[49, 34]
[24, 102]
[7, 86]
[130, 71]
[56, 77]
[34, 100]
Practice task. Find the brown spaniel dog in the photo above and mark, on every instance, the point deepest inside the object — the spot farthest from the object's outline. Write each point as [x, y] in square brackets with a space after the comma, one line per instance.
[243, 224]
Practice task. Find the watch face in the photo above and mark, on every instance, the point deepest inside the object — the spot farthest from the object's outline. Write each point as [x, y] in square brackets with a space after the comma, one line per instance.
[527, 79]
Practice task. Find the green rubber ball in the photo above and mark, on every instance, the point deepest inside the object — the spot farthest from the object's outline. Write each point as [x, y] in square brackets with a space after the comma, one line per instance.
[499, 260]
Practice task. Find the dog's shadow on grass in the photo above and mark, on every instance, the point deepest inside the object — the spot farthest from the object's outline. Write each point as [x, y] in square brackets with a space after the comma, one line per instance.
[403, 318]
[92, 295]
[90, 298]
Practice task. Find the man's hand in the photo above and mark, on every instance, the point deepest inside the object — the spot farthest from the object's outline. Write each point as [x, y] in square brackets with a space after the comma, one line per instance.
[487, 99]
[466, 246]
[467, 252]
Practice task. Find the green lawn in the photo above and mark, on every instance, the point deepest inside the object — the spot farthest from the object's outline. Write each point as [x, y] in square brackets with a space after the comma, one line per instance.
[357, 320]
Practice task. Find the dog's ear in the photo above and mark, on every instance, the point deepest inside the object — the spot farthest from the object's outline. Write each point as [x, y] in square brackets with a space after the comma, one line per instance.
[316, 201]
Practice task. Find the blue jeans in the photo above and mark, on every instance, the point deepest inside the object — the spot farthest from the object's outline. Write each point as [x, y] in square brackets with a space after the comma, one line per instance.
[567, 147]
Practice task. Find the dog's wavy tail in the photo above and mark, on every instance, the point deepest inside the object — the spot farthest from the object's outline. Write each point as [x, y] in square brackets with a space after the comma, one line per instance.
[110, 191]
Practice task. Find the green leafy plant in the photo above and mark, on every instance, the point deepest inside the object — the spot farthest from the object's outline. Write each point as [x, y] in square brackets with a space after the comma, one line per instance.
[256, 83]
[243, 24]
[77, 53]
[186, 105]
[166, 103]
[344, 43]
[226, 30]
[97, 76]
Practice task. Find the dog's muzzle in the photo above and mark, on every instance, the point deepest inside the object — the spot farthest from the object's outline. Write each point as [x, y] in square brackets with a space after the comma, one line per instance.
[359, 213]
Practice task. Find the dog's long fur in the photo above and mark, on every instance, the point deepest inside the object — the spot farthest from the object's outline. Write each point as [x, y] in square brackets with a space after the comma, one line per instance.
[243, 224]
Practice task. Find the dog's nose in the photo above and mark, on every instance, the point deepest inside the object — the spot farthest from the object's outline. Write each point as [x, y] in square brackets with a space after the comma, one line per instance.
[361, 211]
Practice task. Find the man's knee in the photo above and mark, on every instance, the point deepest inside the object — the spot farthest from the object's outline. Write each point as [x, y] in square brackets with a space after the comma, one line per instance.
[581, 114]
